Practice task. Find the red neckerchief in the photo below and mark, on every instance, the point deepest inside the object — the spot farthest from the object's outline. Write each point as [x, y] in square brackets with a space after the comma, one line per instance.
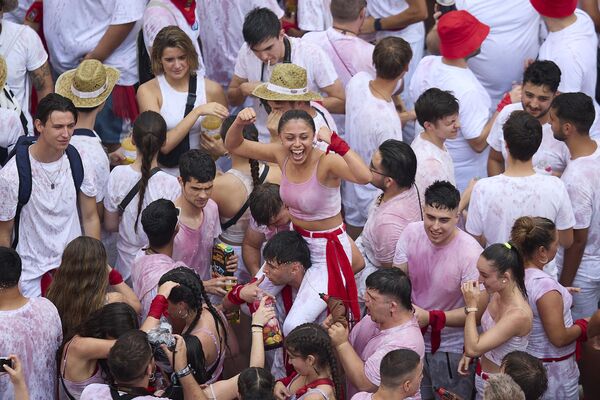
[187, 8]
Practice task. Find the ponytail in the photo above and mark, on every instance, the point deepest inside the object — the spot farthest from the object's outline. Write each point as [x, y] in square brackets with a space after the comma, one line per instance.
[149, 135]
[249, 133]
[505, 257]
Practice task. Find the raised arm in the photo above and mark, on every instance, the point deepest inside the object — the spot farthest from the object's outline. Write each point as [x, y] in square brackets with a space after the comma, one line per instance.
[350, 166]
[236, 144]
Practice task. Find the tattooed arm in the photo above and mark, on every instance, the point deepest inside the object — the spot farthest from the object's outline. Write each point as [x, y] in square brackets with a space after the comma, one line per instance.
[42, 80]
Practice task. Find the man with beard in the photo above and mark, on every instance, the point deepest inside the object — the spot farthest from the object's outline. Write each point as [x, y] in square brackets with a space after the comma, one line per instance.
[461, 37]
[540, 85]
[438, 258]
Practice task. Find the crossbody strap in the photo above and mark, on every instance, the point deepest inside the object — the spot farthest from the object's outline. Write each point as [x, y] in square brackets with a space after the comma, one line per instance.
[134, 190]
[236, 217]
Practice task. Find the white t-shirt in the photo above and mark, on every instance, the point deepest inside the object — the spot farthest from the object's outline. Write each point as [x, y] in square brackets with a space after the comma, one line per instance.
[33, 332]
[369, 122]
[74, 28]
[515, 30]
[474, 113]
[319, 69]
[574, 49]
[433, 164]
[349, 55]
[161, 13]
[314, 15]
[121, 180]
[221, 24]
[91, 149]
[100, 391]
[385, 8]
[582, 179]
[437, 273]
[49, 221]
[10, 129]
[552, 156]
[24, 52]
[497, 201]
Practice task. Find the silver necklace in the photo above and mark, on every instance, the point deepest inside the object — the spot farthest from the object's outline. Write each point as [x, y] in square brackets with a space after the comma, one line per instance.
[53, 181]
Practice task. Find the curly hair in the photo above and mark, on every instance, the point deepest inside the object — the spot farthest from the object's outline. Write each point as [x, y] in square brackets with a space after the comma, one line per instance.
[312, 339]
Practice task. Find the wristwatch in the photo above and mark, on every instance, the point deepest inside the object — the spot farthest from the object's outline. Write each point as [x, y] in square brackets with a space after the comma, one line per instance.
[470, 310]
[377, 24]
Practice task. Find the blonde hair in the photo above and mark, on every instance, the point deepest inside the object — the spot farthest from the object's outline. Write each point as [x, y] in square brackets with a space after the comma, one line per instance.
[173, 36]
[502, 387]
[80, 284]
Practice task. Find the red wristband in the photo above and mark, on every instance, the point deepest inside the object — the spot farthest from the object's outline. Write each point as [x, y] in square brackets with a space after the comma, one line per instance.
[437, 321]
[506, 100]
[158, 306]
[583, 324]
[35, 12]
[234, 295]
[114, 277]
[338, 145]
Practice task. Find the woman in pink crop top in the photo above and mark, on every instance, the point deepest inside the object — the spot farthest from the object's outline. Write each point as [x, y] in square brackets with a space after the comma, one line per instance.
[554, 335]
[310, 187]
[507, 320]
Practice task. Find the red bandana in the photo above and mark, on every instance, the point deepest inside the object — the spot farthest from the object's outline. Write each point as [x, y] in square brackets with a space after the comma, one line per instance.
[187, 8]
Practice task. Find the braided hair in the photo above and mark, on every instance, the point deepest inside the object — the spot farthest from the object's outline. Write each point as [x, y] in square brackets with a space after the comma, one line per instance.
[149, 135]
[249, 133]
[312, 339]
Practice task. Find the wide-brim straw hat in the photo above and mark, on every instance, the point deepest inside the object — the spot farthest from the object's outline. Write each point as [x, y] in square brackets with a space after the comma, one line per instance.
[89, 85]
[288, 83]
[8, 5]
[3, 72]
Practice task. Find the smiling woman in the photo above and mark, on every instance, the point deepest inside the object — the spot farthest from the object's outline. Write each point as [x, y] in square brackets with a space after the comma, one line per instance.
[310, 187]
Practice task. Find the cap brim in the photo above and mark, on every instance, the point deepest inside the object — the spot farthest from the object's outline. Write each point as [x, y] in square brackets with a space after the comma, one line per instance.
[262, 92]
[65, 81]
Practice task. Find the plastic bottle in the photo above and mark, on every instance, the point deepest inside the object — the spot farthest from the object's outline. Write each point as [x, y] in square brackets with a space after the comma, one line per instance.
[129, 150]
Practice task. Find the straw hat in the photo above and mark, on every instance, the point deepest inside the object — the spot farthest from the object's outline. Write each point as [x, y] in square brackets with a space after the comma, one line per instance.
[460, 34]
[288, 83]
[8, 5]
[3, 72]
[89, 85]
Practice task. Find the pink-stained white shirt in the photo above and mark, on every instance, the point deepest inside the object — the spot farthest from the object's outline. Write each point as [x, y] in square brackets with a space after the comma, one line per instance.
[90, 148]
[88, 20]
[194, 246]
[49, 220]
[267, 230]
[349, 55]
[582, 179]
[370, 121]
[34, 333]
[100, 391]
[496, 203]
[573, 49]
[314, 15]
[145, 274]
[433, 164]
[122, 178]
[386, 223]
[161, 13]
[538, 283]
[372, 344]
[552, 156]
[436, 274]
[221, 33]
[10, 129]
[362, 396]
[319, 70]
[475, 104]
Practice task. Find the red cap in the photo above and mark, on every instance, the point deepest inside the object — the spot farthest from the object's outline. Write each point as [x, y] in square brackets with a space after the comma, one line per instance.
[555, 8]
[460, 34]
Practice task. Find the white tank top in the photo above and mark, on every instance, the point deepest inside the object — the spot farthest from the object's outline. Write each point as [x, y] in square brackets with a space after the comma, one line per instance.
[173, 106]
[235, 233]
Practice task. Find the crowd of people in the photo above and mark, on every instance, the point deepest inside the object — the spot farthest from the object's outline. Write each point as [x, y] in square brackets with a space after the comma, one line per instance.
[396, 199]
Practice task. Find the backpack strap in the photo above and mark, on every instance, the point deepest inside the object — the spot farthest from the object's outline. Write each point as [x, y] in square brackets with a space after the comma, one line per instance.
[134, 190]
[21, 152]
[76, 166]
[287, 57]
[238, 215]
[84, 132]
[322, 115]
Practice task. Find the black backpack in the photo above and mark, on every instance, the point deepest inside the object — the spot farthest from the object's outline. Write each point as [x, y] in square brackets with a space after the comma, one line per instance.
[21, 152]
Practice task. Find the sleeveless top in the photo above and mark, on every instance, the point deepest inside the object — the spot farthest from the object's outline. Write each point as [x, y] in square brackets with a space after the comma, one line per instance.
[538, 283]
[173, 106]
[308, 392]
[75, 388]
[514, 343]
[235, 233]
[220, 353]
[309, 200]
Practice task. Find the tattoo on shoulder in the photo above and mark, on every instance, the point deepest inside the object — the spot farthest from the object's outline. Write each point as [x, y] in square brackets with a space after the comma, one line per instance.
[40, 76]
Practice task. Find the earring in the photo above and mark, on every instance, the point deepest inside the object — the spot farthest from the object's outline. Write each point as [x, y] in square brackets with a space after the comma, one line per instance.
[503, 280]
